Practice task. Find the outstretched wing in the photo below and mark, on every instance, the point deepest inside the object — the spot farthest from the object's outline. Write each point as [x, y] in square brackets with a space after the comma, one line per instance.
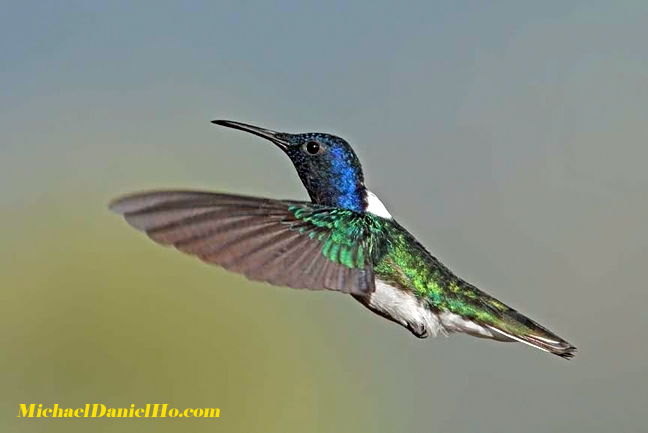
[295, 244]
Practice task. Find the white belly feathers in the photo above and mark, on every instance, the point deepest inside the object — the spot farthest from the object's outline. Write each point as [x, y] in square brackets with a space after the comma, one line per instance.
[405, 308]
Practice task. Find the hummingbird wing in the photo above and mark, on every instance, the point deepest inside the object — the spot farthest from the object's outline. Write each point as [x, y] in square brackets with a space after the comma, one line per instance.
[287, 243]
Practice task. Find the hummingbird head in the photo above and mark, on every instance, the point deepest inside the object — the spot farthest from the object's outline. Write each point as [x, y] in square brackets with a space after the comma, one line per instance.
[327, 165]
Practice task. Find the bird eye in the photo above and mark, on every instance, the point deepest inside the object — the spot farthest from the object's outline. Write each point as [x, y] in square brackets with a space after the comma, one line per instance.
[312, 147]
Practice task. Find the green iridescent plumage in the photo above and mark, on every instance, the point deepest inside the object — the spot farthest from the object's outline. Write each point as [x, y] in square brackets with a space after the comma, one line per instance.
[407, 264]
[351, 238]
[400, 260]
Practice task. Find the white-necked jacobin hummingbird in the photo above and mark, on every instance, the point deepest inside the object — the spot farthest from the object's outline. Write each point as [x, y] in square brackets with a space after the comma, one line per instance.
[343, 240]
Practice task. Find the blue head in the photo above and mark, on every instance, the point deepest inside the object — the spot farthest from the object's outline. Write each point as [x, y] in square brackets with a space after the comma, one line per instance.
[327, 165]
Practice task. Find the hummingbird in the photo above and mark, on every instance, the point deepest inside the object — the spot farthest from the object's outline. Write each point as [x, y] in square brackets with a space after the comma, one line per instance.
[343, 240]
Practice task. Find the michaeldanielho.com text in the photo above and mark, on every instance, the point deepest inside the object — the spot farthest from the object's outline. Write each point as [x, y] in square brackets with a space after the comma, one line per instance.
[101, 411]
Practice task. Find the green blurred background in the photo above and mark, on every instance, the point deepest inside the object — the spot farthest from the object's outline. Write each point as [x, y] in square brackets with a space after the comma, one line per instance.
[510, 138]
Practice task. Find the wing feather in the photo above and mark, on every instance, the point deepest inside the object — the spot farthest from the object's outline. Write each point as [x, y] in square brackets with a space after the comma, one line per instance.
[280, 242]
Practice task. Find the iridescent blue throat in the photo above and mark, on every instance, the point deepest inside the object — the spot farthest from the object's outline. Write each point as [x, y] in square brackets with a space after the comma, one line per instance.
[339, 183]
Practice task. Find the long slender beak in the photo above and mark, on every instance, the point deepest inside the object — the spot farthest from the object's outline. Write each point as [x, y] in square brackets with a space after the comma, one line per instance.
[275, 137]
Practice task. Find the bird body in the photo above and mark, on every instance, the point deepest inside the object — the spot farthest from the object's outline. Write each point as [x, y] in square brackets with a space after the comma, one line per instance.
[344, 240]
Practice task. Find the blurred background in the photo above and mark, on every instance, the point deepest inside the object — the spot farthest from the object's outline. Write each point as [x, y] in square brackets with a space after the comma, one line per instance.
[509, 138]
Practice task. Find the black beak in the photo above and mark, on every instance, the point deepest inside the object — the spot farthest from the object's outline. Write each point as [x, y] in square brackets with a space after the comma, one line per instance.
[275, 137]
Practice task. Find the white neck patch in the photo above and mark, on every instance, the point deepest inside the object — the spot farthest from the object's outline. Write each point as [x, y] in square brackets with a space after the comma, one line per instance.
[376, 207]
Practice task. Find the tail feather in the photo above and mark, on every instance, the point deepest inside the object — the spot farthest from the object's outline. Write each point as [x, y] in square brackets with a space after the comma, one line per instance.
[518, 327]
[543, 340]
[507, 324]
